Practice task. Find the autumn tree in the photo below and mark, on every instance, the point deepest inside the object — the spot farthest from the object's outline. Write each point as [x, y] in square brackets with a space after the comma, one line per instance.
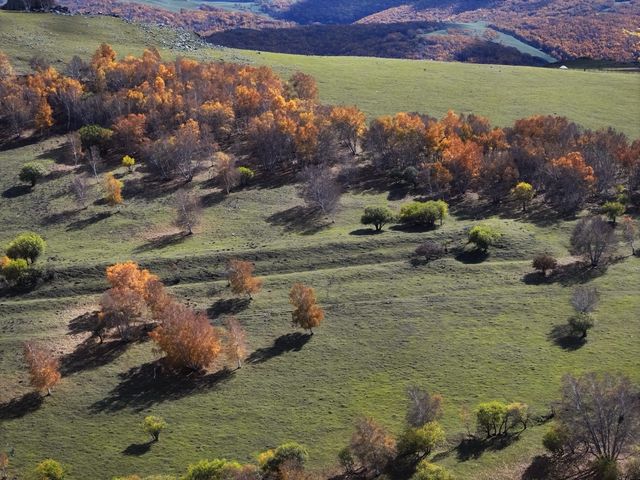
[569, 180]
[28, 246]
[153, 426]
[349, 123]
[421, 441]
[43, 367]
[187, 338]
[523, 193]
[122, 308]
[372, 446]
[423, 407]
[112, 190]
[304, 86]
[592, 238]
[188, 211]
[235, 341]
[129, 162]
[306, 313]
[613, 210]
[228, 173]
[241, 279]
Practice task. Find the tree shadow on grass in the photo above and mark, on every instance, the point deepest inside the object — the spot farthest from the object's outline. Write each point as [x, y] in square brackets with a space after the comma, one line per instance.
[472, 256]
[228, 306]
[82, 224]
[570, 274]
[138, 449]
[83, 323]
[473, 448]
[19, 407]
[412, 228]
[142, 387]
[291, 342]
[58, 217]
[542, 467]
[16, 191]
[365, 232]
[563, 337]
[164, 241]
[299, 219]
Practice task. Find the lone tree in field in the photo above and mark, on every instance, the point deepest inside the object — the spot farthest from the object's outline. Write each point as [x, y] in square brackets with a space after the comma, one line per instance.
[544, 262]
[235, 341]
[592, 238]
[153, 426]
[320, 190]
[377, 216]
[483, 237]
[584, 301]
[523, 193]
[32, 172]
[241, 279]
[28, 246]
[306, 313]
[188, 211]
[43, 367]
[600, 415]
[112, 190]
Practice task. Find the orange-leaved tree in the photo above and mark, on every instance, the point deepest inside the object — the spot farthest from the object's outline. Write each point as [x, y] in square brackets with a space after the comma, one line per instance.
[112, 190]
[241, 279]
[43, 367]
[306, 312]
[187, 338]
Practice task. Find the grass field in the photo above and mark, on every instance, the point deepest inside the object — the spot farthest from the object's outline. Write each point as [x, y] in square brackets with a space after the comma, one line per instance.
[377, 86]
[472, 330]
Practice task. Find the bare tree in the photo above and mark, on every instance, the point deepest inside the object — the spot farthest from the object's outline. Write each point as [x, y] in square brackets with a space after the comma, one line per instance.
[80, 190]
[236, 340]
[630, 232]
[592, 238]
[94, 159]
[423, 407]
[585, 299]
[320, 189]
[227, 171]
[601, 413]
[188, 211]
[75, 147]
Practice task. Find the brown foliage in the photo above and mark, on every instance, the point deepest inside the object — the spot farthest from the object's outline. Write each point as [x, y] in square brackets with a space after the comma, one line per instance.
[43, 367]
[306, 313]
[372, 445]
[241, 279]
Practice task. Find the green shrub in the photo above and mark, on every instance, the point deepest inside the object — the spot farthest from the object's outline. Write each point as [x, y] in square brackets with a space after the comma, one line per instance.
[581, 323]
[32, 172]
[424, 213]
[555, 439]
[246, 175]
[613, 210]
[431, 471]
[422, 440]
[14, 270]
[377, 216]
[95, 135]
[28, 246]
[153, 426]
[218, 469]
[50, 470]
[483, 236]
[291, 452]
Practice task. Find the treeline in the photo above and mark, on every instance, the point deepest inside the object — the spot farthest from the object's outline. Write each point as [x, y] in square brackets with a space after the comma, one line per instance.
[205, 20]
[174, 116]
[399, 40]
[566, 29]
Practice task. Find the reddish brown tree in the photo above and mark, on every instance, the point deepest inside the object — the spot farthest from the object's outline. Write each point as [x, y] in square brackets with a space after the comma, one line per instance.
[306, 313]
[241, 279]
[43, 367]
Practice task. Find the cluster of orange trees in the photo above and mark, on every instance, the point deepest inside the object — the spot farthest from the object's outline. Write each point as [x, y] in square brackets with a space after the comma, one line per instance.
[138, 303]
[175, 117]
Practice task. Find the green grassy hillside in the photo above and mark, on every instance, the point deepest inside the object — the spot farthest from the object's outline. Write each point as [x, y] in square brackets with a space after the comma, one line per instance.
[377, 86]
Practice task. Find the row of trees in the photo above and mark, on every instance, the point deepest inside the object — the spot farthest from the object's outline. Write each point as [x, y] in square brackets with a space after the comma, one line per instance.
[174, 116]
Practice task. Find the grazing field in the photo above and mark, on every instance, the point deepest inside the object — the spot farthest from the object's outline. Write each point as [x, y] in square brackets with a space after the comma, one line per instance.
[377, 86]
[473, 329]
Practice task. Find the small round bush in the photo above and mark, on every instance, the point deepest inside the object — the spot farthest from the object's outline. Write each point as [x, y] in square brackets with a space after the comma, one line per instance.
[581, 323]
[543, 263]
[50, 470]
[430, 250]
[377, 216]
[431, 471]
[217, 469]
[246, 175]
[32, 172]
[15, 270]
[290, 452]
[483, 237]
[554, 439]
[28, 246]
[153, 426]
[128, 161]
